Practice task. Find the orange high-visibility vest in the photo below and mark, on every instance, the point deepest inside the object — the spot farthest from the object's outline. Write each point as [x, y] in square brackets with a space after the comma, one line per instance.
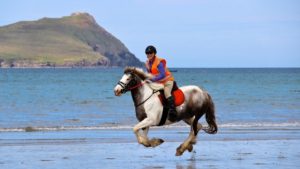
[154, 70]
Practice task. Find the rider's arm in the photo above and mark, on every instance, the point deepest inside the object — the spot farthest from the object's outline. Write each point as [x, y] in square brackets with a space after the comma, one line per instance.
[162, 73]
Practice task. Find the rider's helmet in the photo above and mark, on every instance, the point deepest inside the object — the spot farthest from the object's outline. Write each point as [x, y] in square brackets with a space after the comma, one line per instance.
[150, 49]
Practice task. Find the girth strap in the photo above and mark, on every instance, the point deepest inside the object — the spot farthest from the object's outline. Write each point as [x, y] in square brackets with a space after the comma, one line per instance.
[164, 116]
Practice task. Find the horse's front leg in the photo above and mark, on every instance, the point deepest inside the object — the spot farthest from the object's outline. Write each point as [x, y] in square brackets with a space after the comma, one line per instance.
[154, 141]
[143, 139]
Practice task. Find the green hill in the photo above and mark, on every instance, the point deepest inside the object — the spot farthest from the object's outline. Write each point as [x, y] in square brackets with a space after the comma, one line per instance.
[75, 40]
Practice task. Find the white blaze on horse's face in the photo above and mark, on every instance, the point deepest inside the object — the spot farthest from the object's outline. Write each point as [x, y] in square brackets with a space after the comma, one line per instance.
[125, 80]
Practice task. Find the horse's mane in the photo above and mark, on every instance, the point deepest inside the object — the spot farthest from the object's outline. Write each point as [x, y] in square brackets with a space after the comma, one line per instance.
[137, 71]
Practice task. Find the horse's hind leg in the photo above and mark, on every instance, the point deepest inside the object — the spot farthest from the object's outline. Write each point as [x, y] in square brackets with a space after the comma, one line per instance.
[199, 127]
[188, 143]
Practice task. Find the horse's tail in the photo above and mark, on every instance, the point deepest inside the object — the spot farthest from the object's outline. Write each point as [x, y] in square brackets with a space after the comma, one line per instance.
[210, 117]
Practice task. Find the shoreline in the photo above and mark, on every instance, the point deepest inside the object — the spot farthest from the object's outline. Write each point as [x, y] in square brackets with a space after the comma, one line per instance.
[229, 126]
[94, 149]
[126, 135]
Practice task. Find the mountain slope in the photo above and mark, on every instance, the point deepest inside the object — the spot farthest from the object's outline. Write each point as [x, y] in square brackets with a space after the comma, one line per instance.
[75, 40]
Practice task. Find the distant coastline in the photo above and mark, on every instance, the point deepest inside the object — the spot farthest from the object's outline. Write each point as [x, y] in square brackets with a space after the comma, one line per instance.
[70, 41]
[61, 67]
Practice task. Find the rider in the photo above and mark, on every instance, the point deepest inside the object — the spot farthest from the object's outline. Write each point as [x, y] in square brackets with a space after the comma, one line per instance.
[157, 67]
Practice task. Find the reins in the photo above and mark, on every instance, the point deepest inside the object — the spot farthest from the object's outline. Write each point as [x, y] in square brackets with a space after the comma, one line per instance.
[153, 91]
[136, 86]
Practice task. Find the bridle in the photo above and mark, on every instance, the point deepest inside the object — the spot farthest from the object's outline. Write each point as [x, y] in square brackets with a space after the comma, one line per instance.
[132, 85]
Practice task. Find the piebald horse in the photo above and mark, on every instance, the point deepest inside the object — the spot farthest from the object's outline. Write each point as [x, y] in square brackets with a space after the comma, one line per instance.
[149, 109]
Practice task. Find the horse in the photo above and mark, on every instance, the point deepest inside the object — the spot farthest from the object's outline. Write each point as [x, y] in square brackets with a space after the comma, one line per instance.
[149, 109]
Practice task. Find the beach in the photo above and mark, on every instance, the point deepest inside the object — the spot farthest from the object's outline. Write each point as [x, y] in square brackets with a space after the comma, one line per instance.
[117, 148]
[70, 119]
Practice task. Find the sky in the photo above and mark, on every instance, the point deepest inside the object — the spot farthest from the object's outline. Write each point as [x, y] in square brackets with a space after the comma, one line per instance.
[187, 33]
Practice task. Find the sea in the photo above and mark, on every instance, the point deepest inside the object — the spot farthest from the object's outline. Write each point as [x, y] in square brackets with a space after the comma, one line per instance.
[53, 99]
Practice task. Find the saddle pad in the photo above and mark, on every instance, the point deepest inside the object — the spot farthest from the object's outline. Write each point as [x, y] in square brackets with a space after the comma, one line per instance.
[178, 97]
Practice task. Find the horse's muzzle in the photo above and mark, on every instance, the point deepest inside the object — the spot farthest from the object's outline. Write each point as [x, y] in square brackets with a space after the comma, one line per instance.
[118, 90]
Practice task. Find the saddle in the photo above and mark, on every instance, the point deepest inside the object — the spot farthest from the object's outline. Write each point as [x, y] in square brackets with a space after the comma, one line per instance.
[178, 100]
[176, 93]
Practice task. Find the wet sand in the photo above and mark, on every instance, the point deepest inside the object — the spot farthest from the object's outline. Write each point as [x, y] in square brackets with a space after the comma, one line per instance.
[117, 148]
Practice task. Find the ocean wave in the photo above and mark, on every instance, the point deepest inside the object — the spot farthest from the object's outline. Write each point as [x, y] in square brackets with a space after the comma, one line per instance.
[62, 128]
[260, 125]
[256, 125]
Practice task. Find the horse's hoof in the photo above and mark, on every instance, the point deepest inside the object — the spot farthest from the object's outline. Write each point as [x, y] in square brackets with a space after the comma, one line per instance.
[146, 144]
[161, 140]
[156, 142]
[179, 152]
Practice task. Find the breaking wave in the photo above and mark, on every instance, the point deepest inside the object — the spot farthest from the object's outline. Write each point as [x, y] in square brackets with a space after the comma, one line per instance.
[261, 125]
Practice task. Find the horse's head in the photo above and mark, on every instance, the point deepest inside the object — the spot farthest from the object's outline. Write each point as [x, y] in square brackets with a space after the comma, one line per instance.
[128, 80]
[131, 79]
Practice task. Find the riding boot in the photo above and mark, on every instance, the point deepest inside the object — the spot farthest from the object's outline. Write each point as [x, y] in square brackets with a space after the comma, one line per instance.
[172, 109]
